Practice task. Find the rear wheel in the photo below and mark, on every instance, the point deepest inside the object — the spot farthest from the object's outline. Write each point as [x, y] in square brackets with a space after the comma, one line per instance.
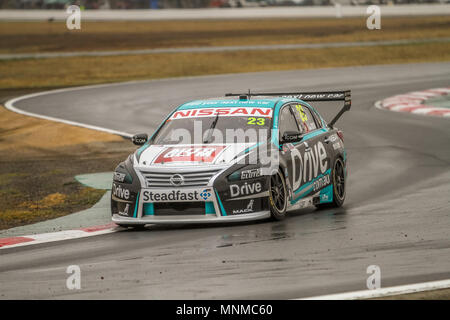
[338, 183]
[278, 196]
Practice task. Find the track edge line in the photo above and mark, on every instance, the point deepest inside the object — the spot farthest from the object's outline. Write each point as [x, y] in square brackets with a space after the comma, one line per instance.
[385, 292]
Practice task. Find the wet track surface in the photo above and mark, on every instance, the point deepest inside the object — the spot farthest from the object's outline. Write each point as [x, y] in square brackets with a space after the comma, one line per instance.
[396, 215]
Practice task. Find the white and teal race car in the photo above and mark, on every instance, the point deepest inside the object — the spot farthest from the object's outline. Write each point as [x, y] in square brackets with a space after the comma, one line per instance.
[239, 158]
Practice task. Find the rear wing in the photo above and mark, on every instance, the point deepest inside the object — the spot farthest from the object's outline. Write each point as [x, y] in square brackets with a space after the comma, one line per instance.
[308, 96]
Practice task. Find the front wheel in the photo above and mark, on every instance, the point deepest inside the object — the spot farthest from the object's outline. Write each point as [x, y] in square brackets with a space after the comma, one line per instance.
[278, 196]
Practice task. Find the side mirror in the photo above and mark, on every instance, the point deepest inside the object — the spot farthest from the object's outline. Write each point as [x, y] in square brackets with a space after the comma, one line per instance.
[291, 136]
[140, 139]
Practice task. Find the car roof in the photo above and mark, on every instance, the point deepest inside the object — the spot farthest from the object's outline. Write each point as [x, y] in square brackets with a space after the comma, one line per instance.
[260, 102]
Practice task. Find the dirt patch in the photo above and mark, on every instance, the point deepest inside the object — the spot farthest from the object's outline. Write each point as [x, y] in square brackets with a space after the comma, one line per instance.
[38, 162]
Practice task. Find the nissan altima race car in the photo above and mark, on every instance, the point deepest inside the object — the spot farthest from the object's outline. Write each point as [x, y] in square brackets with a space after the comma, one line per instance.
[238, 158]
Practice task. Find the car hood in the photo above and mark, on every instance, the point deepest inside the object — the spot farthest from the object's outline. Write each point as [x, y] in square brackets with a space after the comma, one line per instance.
[192, 155]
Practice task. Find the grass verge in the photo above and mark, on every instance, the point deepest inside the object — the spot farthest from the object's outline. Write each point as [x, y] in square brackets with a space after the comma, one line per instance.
[38, 162]
[21, 74]
[125, 35]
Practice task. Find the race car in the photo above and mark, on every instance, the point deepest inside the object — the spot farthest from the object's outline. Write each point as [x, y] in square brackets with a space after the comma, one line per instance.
[241, 157]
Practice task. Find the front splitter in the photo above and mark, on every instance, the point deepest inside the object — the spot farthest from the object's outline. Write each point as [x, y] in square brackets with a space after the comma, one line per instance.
[209, 218]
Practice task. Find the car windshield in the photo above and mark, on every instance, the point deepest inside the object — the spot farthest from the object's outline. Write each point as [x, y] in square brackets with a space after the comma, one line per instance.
[216, 125]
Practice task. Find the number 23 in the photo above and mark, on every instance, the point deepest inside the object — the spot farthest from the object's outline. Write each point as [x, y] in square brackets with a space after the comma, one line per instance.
[257, 121]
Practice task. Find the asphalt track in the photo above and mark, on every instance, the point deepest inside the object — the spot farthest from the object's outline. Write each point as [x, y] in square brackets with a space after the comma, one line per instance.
[396, 216]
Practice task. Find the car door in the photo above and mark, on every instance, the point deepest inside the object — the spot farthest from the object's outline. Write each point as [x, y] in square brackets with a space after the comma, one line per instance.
[315, 156]
[290, 152]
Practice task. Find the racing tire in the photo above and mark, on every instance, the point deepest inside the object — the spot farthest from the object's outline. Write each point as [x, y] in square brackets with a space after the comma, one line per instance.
[339, 190]
[278, 196]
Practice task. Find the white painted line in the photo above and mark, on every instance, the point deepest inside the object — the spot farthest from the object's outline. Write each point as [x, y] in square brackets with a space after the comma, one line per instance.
[385, 292]
[10, 103]
[10, 106]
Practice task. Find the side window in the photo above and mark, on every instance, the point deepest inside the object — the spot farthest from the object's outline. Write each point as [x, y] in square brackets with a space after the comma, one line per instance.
[287, 121]
[304, 118]
[317, 118]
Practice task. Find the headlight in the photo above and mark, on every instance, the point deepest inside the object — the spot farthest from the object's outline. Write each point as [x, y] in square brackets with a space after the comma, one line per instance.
[245, 174]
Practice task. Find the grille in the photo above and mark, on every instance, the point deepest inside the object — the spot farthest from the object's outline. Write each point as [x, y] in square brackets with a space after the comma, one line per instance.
[179, 208]
[190, 179]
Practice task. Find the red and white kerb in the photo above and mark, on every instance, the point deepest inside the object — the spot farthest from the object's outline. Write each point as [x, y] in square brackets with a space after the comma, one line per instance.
[416, 102]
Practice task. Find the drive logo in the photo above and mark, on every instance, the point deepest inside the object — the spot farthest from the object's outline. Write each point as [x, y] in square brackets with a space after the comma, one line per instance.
[120, 192]
[245, 190]
[308, 166]
[189, 154]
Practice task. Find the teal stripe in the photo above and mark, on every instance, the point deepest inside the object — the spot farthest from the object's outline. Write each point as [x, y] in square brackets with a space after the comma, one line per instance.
[253, 147]
[141, 149]
[136, 206]
[209, 208]
[224, 213]
[149, 209]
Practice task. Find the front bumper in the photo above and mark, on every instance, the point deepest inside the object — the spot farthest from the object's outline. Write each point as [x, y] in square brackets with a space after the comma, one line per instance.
[183, 219]
[201, 199]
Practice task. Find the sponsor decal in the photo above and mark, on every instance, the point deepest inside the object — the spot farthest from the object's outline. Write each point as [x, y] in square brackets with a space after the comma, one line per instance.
[120, 192]
[248, 209]
[139, 140]
[292, 137]
[250, 174]
[324, 197]
[119, 177]
[176, 195]
[205, 194]
[309, 165]
[315, 96]
[245, 189]
[224, 112]
[177, 180]
[332, 138]
[189, 154]
[336, 145]
[321, 182]
[125, 210]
